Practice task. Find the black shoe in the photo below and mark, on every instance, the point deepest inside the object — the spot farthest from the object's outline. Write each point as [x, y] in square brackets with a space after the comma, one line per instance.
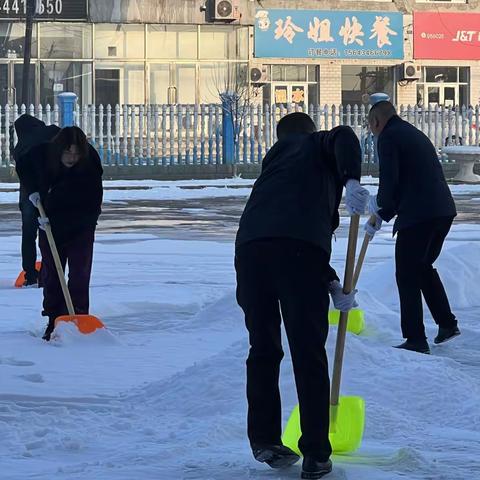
[313, 469]
[275, 456]
[49, 330]
[420, 346]
[445, 334]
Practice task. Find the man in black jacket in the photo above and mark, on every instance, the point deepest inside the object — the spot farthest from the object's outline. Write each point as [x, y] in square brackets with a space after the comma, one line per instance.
[282, 256]
[413, 188]
[30, 132]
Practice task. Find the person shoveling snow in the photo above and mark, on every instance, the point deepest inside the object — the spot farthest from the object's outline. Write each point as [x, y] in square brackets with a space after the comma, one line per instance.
[282, 256]
[65, 176]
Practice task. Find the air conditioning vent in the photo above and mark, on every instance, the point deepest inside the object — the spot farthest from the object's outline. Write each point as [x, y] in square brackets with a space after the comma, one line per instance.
[220, 11]
[224, 9]
[259, 74]
[409, 71]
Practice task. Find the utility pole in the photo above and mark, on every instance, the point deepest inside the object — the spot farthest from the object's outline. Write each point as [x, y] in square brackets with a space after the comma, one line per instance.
[27, 51]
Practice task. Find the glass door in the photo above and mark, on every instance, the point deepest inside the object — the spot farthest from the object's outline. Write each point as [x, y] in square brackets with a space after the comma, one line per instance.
[449, 95]
[433, 94]
[11, 83]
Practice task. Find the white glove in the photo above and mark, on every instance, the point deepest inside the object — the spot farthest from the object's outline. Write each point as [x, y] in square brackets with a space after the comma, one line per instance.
[342, 301]
[42, 222]
[373, 208]
[372, 205]
[356, 197]
[373, 229]
[34, 198]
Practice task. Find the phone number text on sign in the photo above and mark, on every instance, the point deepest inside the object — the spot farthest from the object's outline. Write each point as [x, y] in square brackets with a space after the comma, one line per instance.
[45, 9]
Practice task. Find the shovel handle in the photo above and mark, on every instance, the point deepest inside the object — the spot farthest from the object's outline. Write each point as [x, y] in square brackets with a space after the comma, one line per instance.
[342, 325]
[58, 263]
[363, 252]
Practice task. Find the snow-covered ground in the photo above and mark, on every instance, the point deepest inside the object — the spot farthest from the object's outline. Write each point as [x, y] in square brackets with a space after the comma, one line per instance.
[160, 394]
[122, 190]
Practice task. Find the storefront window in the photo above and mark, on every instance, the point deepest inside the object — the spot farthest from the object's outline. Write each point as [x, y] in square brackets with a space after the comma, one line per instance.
[289, 73]
[464, 95]
[223, 42]
[217, 78]
[295, 73]
[11, 93]
[159, 83]
[213, 81]
[119, 41]
[186, 84]
[441, 74]
[464, 74]
[172, 41]
[443, 86]
[119, 83]
[358, 81]
[58, 77]
[64, 40]
[12, 38]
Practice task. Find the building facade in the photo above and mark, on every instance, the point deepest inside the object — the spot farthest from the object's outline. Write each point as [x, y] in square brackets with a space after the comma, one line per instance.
[189, 51]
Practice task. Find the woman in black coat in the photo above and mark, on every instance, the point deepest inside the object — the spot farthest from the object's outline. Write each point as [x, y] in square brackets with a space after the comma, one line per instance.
[66, 176]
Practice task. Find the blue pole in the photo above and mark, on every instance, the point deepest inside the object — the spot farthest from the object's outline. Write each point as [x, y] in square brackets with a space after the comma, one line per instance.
[228, 148]
[67, 101]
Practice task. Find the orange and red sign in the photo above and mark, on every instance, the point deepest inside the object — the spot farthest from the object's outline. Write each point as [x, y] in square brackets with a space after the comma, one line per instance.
[446, 36]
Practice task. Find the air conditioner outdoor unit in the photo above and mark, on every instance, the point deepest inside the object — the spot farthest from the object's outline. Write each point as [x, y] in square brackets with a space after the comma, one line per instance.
[259, 74]
[409, 71]
[220, 11]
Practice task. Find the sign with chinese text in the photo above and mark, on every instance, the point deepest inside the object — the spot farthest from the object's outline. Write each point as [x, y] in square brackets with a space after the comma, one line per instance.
[46, 10]
[328, 34]
[281, 94]
[446, 36]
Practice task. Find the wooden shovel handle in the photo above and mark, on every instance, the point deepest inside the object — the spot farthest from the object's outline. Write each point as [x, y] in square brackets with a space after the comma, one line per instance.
[342, 325]
[363, 252]
[58, 263]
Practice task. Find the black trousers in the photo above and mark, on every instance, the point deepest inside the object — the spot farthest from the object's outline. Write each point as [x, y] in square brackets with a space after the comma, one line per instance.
[416, 250]
[29, 237]
[282, 278]
[78, 252]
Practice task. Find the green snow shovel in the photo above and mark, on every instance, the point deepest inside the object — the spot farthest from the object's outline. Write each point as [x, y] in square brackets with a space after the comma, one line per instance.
[347, 414]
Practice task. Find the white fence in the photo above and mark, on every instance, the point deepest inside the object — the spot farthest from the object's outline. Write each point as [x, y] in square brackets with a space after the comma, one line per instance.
[192, 134]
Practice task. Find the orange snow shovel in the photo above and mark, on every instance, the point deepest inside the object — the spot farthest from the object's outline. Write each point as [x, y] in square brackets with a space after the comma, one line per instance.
[347, 414]
[85, 323]
[356, 317]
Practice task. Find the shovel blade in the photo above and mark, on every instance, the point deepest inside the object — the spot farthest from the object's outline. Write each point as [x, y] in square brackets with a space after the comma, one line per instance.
[356, 320]
[346, 426]
[21, 276]
[86, 324]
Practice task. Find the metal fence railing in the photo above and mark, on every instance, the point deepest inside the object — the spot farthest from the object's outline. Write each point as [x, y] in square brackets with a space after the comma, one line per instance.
[192, 134]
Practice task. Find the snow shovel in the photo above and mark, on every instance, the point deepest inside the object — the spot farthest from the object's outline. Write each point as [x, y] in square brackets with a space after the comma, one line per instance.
[356, 317]
[347, 414]
[21, 276]
[85, 323]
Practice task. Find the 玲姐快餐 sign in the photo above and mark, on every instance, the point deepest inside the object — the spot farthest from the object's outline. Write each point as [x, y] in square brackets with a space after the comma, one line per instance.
[287, 33]
[446, 36]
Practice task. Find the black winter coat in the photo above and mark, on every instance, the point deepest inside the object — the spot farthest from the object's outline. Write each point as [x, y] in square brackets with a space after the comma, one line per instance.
[31, 132]
[298, 192]
[72, 197]
[412, 184]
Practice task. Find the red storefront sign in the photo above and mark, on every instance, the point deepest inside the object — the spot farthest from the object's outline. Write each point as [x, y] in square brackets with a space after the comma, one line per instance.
[446, 36]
